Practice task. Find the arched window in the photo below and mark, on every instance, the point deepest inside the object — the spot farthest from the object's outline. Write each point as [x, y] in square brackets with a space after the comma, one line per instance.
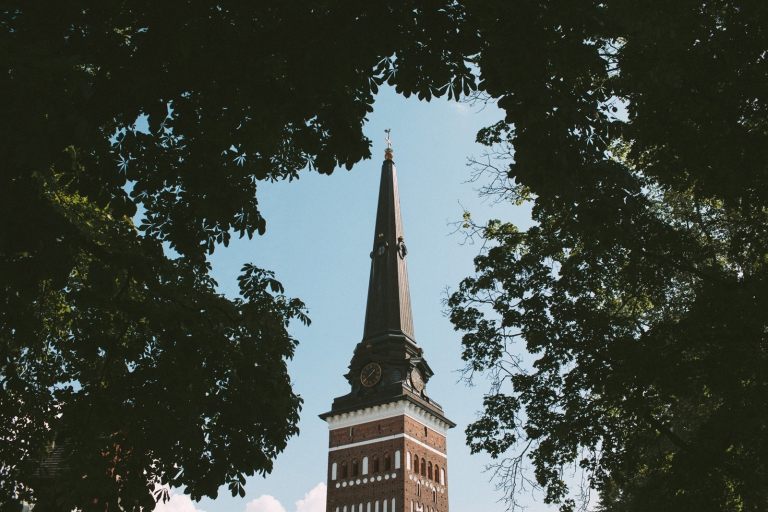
[418, 489]
[344, 472]
[408, 460]
[365, 465]
[429, 471]
[434, 496]
[360, 508]
[393, 505]
[368, 507]
[437, 478]
[423, 467]
[355, 468]
[333, 471]
[375, 463]
[345, 508]
[442, 476]
[416, 464]
[397, 459]
[385, 506]
[412, 506]
[387, 462]
[376, 506]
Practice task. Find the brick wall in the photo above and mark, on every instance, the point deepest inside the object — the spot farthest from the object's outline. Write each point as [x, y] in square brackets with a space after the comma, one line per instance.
[402, 483]
[415, 429]
[367, 431]
[413, 479]
[364, 488]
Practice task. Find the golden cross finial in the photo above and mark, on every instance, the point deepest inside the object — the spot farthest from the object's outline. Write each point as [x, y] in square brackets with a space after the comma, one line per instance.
[388, 151]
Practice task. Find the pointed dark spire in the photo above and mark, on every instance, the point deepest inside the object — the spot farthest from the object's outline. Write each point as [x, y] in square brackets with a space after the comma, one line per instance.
[388, 347]
[389, 300]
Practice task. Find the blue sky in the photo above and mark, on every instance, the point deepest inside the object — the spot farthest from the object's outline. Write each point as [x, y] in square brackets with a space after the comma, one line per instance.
[318, 240]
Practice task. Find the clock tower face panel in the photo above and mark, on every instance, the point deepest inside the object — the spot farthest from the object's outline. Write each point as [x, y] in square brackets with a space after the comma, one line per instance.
[370, 375]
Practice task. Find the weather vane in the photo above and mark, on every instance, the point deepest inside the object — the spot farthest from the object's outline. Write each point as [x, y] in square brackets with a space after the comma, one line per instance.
[388, 151]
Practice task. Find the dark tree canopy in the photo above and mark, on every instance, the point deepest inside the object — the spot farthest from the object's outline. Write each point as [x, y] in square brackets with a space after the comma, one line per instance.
[117, 360]
[642, 291]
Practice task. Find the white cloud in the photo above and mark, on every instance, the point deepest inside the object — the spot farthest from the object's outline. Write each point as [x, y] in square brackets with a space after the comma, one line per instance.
[178, 503]
[314, 500]
[264, 503]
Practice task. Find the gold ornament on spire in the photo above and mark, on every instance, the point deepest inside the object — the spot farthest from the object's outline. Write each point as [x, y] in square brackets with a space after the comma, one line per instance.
[388, 152]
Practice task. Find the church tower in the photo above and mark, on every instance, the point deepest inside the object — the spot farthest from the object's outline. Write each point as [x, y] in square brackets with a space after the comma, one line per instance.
[387, 449]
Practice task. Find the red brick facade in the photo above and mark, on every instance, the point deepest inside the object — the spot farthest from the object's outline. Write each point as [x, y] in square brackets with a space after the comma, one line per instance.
[383, 453]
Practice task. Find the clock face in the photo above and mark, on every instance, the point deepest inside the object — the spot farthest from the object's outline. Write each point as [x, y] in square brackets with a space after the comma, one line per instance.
[370, 375]
[416, 380]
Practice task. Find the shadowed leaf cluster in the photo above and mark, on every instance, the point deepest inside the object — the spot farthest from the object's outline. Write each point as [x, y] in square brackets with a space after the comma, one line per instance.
[121, 367]
[639, 132]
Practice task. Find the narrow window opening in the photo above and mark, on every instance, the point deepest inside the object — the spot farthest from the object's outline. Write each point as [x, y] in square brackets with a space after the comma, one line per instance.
[416, 465]
[425, 431]
[344, 473]
[429, 471]
[418, 489]
[423, 467]
[387, 462]
[375, 463]
[351, 431]
[355, 468]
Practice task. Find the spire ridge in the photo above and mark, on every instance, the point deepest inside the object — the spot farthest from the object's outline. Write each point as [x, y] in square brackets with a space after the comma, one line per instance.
[389, 299]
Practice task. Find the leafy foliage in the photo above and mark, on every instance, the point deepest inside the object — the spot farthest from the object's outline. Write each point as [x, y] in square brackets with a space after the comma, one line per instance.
[141, 373]
[117, 361]
[641, 290]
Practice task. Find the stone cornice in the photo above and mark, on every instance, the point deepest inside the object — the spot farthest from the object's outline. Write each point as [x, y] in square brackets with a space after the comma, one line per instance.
[388, 410]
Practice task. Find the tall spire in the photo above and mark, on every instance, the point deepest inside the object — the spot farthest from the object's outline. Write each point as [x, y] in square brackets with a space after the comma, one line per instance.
[389, 300]
[387, 366]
